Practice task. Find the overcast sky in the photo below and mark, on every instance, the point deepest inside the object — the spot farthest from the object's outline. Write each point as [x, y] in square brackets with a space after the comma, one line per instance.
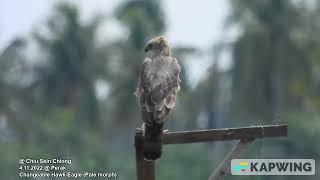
[197, 23]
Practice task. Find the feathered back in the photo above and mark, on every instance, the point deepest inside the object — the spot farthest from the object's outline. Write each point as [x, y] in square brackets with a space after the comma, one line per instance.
[158, 85]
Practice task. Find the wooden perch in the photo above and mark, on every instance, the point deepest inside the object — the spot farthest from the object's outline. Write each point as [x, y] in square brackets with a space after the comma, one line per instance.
[146, 169]
[224, 166]
[224, 134]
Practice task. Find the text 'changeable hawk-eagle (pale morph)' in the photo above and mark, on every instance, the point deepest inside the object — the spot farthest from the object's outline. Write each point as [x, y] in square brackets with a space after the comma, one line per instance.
[157, 89]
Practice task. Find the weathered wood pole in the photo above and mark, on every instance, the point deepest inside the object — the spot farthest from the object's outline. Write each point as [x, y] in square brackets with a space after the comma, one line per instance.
[245, 135]
[145, 169]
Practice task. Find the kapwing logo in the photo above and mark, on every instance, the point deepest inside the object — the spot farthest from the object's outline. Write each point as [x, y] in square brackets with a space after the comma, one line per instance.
[242, 167]
[273, 167]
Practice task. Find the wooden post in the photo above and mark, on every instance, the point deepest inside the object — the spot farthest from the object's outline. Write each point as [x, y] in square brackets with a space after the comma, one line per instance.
[145, 169]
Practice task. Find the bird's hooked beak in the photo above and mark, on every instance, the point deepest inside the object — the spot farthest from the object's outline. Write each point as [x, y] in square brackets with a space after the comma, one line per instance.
[147, 48]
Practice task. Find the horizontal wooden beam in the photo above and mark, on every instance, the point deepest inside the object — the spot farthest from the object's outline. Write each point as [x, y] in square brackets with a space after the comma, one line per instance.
[225, 134]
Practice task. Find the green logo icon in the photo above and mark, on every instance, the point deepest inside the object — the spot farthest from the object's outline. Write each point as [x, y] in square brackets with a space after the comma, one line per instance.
[243, 167]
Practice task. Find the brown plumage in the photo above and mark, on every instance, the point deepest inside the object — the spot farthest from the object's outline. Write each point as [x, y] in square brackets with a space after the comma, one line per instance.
[157, 89]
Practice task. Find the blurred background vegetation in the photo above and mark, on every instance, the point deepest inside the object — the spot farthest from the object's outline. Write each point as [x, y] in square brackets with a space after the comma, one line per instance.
[77, 100]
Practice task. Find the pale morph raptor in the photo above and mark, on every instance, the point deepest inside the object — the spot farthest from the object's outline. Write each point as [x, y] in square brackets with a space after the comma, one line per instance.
[157, 89]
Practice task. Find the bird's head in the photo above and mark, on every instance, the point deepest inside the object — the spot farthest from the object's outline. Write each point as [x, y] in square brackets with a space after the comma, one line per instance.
[158, 46]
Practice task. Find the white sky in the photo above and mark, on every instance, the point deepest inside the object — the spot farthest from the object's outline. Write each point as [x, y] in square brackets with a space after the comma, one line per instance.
[196, 23]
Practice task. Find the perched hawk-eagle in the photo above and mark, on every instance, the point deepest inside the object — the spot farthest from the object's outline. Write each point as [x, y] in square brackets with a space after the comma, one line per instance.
[157, 89]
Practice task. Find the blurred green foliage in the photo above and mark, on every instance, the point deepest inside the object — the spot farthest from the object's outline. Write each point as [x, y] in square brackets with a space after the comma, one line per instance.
[51, 109]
